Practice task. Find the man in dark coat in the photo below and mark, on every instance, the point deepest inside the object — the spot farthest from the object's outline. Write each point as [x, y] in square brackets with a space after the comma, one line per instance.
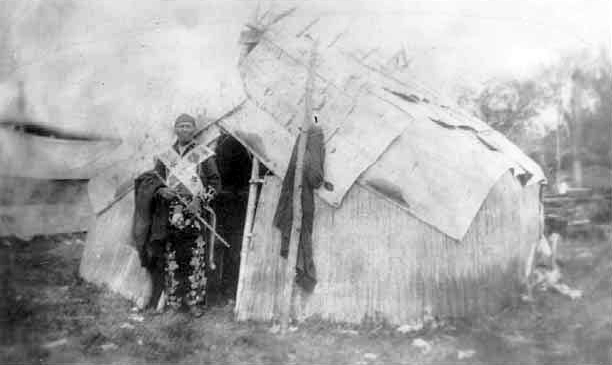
[167, 233]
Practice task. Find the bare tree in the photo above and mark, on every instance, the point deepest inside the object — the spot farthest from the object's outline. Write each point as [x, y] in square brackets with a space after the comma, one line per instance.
[578, 88]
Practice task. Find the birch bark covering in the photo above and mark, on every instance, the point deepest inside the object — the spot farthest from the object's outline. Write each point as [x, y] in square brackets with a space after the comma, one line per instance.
[369, 112]
[376, 262]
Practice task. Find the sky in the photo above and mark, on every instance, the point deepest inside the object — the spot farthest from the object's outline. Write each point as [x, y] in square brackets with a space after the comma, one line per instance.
[114, 66]
[469, 42]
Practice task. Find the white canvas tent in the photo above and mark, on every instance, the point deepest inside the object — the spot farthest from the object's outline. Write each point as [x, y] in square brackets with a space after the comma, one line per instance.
[43, 171]
[110, 70]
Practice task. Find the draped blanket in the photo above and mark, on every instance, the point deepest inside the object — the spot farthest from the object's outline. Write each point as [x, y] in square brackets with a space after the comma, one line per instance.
[313, 178]
[147, 226]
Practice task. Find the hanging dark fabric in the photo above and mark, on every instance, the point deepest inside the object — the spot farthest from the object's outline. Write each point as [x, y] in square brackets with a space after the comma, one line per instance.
[314, 160]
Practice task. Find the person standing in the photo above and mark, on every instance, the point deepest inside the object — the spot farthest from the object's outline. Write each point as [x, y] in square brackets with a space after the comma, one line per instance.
[170, 199]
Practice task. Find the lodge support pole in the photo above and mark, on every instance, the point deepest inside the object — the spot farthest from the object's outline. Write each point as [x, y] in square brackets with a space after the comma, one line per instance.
[296, 224]
[576, 136]
[248, 228]
[558, 147]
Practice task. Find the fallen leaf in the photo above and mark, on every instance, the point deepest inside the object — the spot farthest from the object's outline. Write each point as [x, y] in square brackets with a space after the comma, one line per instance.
[348, 332]
[465, 354]
[126, 325]
[370, 356]
[137, 318]
[516, 339]
[109, 346]
[527, 298]
[421, 344]
[406, 328]
[56, 343]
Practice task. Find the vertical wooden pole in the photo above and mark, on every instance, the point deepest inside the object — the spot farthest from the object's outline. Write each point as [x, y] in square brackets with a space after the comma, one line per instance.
[248, 229]
[558, 148]
[576, 99]
[296, 224]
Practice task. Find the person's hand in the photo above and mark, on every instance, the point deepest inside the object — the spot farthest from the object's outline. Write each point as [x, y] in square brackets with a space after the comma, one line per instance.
[208, 194]
[328, 186]
[194, 207]
[166, 193]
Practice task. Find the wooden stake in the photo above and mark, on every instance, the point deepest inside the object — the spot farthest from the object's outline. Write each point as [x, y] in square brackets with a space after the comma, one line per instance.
[296, 224]
[576, 132]
[558, 147]
[248, 228]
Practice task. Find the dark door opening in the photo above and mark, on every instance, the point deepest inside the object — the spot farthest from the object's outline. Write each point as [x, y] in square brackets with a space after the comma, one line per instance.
[234, 163]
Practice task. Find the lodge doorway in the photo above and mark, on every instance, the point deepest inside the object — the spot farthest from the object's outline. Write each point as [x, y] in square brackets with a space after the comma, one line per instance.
[234, 163]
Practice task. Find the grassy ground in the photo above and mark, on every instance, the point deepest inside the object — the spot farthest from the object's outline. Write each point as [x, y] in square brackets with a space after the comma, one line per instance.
[54, 317]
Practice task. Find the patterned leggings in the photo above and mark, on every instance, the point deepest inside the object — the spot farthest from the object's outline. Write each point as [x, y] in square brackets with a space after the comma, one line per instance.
[185, 257]
[185, 271]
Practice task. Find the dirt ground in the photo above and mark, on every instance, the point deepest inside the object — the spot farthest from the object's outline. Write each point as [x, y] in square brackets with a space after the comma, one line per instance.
[51, 316]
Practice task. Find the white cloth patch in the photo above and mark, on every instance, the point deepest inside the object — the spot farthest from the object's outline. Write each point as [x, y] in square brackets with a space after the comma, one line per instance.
[184, 170]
